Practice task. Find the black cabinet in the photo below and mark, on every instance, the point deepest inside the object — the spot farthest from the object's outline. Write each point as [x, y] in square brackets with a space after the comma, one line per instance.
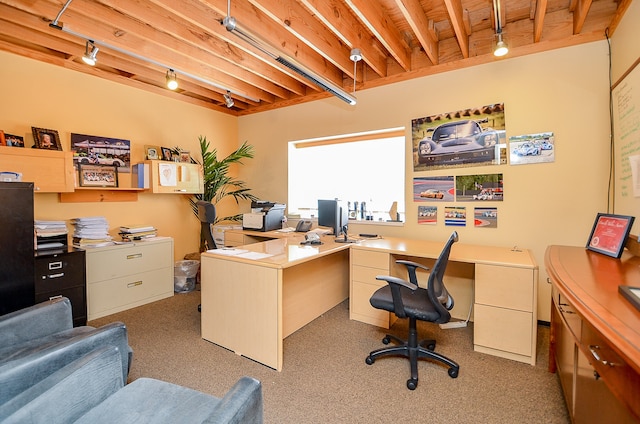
[16, 246]
[62, 273]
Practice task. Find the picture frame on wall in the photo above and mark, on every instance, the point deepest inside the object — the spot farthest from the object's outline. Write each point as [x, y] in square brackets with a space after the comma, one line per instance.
[97, 175]
[609, 234]
[14, 140]
[46, 138]
[153, 152]
[166, 153]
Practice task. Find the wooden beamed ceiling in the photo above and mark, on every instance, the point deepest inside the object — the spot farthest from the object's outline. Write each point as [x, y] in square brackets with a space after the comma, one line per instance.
[398, 40]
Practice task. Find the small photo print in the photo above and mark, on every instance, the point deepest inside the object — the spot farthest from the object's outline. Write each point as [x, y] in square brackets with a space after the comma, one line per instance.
[455, 216]
[427, 189]
[428, 215]
[14, 140]
[532, 148]
[485, 217]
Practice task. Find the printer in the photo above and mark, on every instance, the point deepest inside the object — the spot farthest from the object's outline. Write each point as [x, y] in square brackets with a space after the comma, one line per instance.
[264, 216]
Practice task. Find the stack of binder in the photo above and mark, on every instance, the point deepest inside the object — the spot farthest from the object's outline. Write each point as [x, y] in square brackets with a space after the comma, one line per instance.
[91, 232]
[137, 232]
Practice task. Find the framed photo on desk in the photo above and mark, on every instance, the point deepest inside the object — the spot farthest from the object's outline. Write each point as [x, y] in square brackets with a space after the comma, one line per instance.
[609, 234]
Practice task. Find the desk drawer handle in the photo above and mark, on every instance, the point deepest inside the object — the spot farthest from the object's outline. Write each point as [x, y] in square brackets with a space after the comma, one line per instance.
[565, 311]
[134, 284]
[180, 190]
[55, 265]
[56, 275]
[134, 256]
[594, 349]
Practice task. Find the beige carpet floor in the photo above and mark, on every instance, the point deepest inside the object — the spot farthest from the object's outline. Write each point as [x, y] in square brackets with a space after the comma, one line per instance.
[325, 378]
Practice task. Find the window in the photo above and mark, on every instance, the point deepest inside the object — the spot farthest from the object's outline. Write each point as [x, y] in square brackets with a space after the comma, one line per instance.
[366, 167]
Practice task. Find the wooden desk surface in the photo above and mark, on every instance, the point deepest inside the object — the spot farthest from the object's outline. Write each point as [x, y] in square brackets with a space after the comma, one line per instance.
[460, 252]
[590, 282]
[286, 250]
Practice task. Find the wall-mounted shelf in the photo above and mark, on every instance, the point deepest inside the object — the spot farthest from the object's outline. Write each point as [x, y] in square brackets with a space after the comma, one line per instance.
[51, 171]
[101, 194]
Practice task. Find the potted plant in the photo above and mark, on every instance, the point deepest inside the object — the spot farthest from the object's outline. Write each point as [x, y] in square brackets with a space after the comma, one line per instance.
[218, 184]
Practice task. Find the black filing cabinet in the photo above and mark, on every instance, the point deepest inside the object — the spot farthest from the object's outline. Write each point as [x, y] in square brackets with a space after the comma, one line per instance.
[62, 273]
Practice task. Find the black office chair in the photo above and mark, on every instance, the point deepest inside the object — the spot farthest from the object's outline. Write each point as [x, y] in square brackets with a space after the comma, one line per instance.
[207, 216]
[406, 300]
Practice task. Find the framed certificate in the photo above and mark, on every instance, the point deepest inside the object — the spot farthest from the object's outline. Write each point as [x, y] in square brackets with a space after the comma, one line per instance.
[632, 294]
[609, 234]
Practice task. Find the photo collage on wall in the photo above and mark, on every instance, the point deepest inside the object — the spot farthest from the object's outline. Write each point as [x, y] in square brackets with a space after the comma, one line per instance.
[466, 138]
[481, 188]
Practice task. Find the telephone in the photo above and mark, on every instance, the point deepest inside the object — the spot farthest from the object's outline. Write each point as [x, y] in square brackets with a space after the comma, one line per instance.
[303, 226]
[311, 238]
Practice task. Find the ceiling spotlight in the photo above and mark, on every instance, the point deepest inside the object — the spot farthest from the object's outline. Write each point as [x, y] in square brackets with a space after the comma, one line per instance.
[90, 52]
[172, 82]
[228, 100]
[501, 47]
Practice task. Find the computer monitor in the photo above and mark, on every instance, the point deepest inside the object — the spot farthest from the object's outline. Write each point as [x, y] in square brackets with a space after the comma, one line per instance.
[333, 214]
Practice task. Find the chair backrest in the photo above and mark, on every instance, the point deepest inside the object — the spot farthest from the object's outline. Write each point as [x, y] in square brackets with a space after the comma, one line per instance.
[207, 216]
[436, 289]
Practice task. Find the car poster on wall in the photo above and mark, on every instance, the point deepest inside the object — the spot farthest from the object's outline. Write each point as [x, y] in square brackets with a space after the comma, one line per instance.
[480, 188]
[532, 148]
[94, 150]
[468, 137]
[485, 217]
[439, 188]
[428, 215]
[455, 216]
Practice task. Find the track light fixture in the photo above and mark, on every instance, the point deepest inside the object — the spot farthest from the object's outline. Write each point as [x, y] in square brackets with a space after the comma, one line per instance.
[501, 47]
[355, 56]
[90, 52]
[231, 25]
[172, 82]
[228, 100]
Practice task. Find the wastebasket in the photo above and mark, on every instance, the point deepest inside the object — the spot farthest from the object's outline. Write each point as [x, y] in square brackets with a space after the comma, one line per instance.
[184, 276]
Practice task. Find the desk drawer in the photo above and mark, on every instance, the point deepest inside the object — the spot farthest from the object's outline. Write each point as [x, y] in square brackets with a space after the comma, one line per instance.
[503, 329]
[232, 239]
[379, 260]
[505, 287]
[621, 379]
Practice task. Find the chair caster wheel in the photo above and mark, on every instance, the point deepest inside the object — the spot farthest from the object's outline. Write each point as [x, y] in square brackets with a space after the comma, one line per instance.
[412, 384]
[431, 346]
[386, 340]
[453, 372]
[369, 360]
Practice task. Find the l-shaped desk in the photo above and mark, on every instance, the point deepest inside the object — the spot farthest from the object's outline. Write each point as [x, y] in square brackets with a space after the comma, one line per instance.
[259, 292]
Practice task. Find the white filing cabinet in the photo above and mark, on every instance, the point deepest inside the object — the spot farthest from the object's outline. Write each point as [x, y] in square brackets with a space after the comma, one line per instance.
[121, 277]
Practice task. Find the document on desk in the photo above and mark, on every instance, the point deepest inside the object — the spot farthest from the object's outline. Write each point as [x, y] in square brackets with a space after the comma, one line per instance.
[254, 255]
[228, 251]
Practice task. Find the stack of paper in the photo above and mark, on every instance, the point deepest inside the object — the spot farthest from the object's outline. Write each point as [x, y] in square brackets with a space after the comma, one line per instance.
[91, 232]
[137, 232]
[50, 234]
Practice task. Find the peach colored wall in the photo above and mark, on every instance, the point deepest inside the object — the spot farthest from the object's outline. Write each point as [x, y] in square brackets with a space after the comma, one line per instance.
[47, 96]
[563, 91]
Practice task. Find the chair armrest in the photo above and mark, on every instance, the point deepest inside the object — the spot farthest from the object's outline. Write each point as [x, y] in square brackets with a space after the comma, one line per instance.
[36, 321]
[70, 392]
[34, 365]
[411, 269]
[242, 404]
[395, 284]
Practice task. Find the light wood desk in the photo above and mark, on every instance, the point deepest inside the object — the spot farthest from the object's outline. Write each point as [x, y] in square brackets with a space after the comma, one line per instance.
[250, 305]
